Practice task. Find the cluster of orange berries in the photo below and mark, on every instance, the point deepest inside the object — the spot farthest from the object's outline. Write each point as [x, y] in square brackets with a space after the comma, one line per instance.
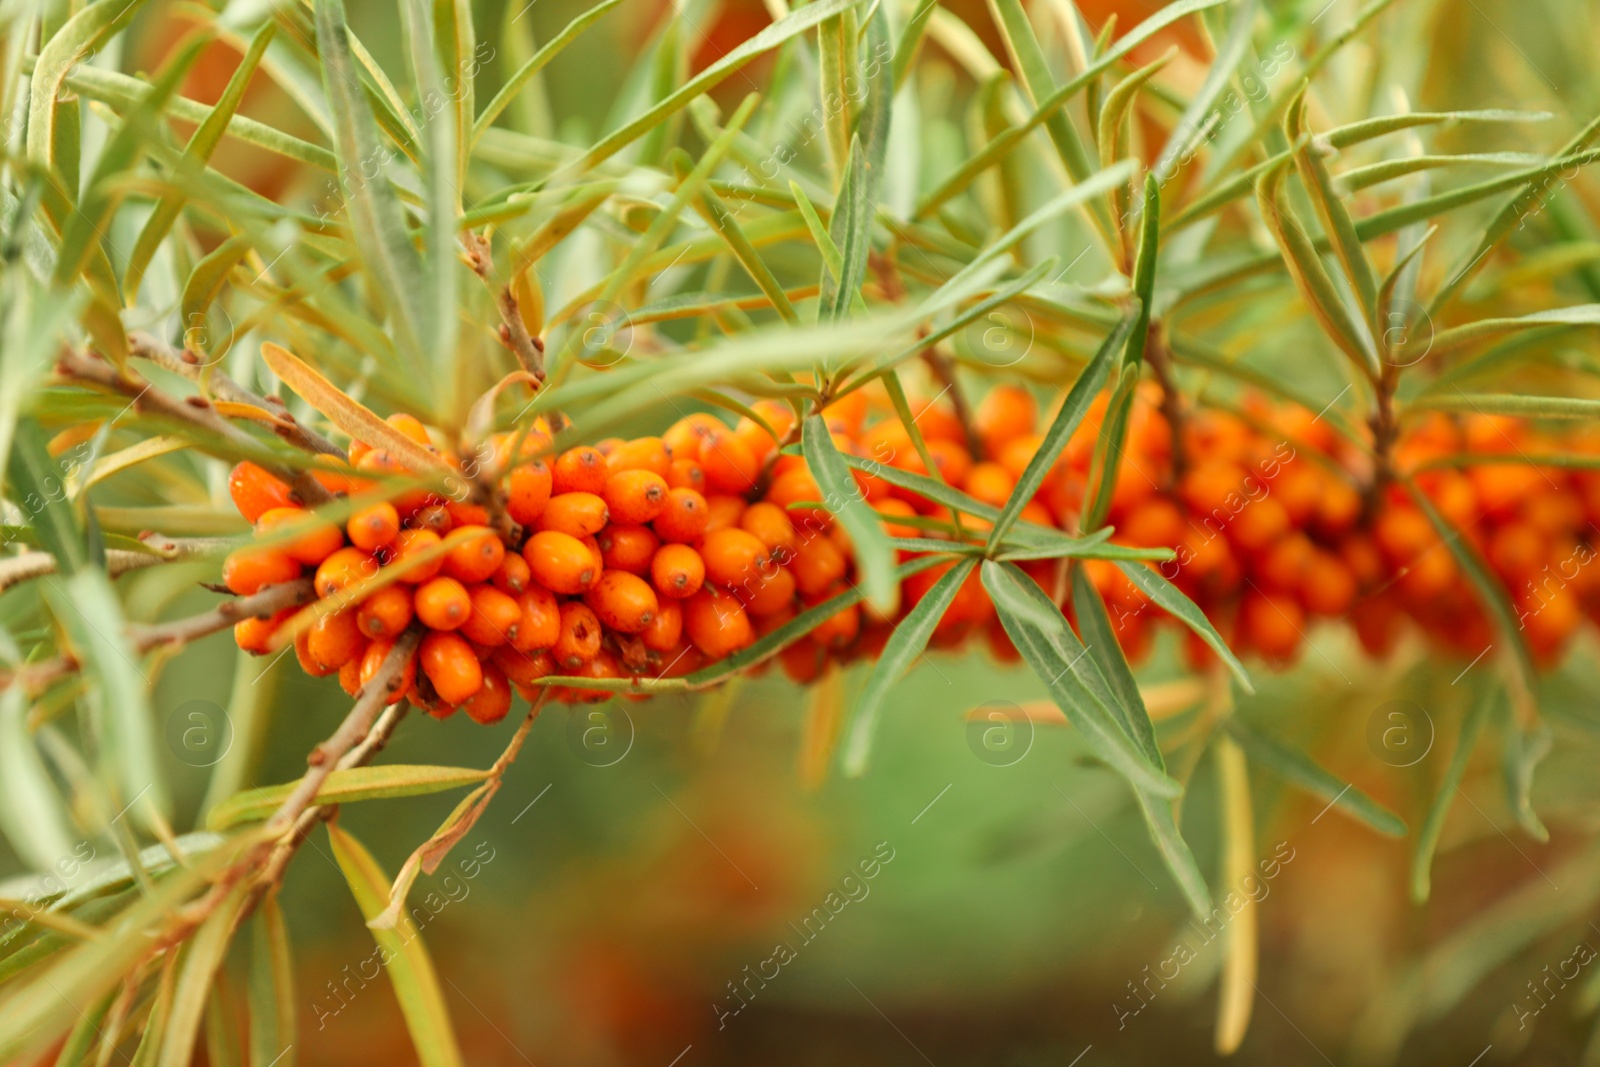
[655, 556]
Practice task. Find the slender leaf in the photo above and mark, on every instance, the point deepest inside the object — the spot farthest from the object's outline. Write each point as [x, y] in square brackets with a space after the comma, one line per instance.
[1169, 598]
[270, 988]
[842, 496]
[1298, 769]
[345, 786]
[1433, 823]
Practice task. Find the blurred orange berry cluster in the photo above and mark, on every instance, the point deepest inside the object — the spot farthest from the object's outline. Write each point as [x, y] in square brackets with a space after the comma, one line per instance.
[656, 556]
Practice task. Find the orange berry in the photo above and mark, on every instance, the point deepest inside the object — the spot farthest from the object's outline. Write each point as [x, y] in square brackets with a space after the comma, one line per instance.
[838, 629]
[1403, 534]
[683, 518]
[463, 513]
[411, 426]
[1502, 487]
[494, 617]
[666, 629]
[770, 592]
[733, 557]
[990, 483]
[678, 571]
[640, 454]
[410, 544]
[1338, 509]
[312, 540]
[1283, 566]
[1154, 523]
[308, 662]
[1517, 551]
[248, 570]
[628, 548]
[374, 527]
[817, 564]
[1258, 524]
[513, 574]
[450, 666]
[476, 557]
[443, 604]
[635, 496]
[335, 639]
[529, 491]
[796, 486]
[579, 640]
[603, 665]
[343, 569]
[729, 464]
[717, 625]
[540, 622]
[560, 562]
[492, 700]
[579, 470]
[1329, 587]
[686, 474]
[770, 523]
[350, 675]
[723, 511]
[435, 517]
[522, 668]
[624, 602]
[254, 635]
[1272, 625]
[683, 437]
[1006, 413]
[256, 491]
[577, 513]
[382, 463]
[387, 612]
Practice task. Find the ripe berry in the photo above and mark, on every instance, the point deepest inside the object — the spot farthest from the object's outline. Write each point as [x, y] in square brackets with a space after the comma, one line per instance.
[733, 557]
[513, 574]
[678, 571]
[494, 617]
[476, 556]
[309, 663]
[622, 601]
[769, 593]
[256, 492]
[386, 612]
[770, 523]
[529, 491]
[796, 486]
[248, 570]
[818, 564]
[450, 665]
[335, 639]
[683, 518]
[640, 454]
[539, 621]
[408, 547]
[443, 604]
[686, 474]
[729, 464]
[635, 496]
[560, 562]
[579, 470]
[523, 668]
[1006, 413]
[579, 639]
[666, 629]
[578, 514]
[717, 624]
[343, 569]
[628, 548]
[312, 540]
[254, 635]
[374, 527]
[492, 700]
[723, 512]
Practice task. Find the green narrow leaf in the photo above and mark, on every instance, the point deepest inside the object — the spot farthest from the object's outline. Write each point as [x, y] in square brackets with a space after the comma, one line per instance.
[1098, 637]
[744, 250]
[851, 228]
[836, 52]
[905, 644]
[1298, 769]
[31, 810]
[1073, 409]
[203, 285]
[1336, 220]
[1169, 598]
[196, 154]
[345, 786]
[202, 955]
[790, 26]
[1521, 754]
[405, 958]
[1447, 341]
[78, 37]
[1487, 698]
[85, 1035]
[1039, 630]
[539, 60]
[874, 557]
[377, 221]
[1531, 407]
[40, 482]
[270, 988]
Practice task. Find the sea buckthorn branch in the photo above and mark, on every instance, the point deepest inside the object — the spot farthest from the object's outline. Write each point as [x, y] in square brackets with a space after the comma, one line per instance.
[148, 347]
[33, 564]
[528, 349]
[146, 637]
[195, 410]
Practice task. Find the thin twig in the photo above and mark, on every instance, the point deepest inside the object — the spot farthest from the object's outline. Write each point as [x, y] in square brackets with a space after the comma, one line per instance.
[157, 351]
[356, 726]
[35, 564]
[528, 349]
[194, 410]
[1155, 353]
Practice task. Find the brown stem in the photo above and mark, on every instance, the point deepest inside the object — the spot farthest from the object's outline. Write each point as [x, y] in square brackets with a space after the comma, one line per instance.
[195, 410]
[1160, 360]
[356, 726]
[528, 349]
[1385, 426]
[146, 346]
[944, 374]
